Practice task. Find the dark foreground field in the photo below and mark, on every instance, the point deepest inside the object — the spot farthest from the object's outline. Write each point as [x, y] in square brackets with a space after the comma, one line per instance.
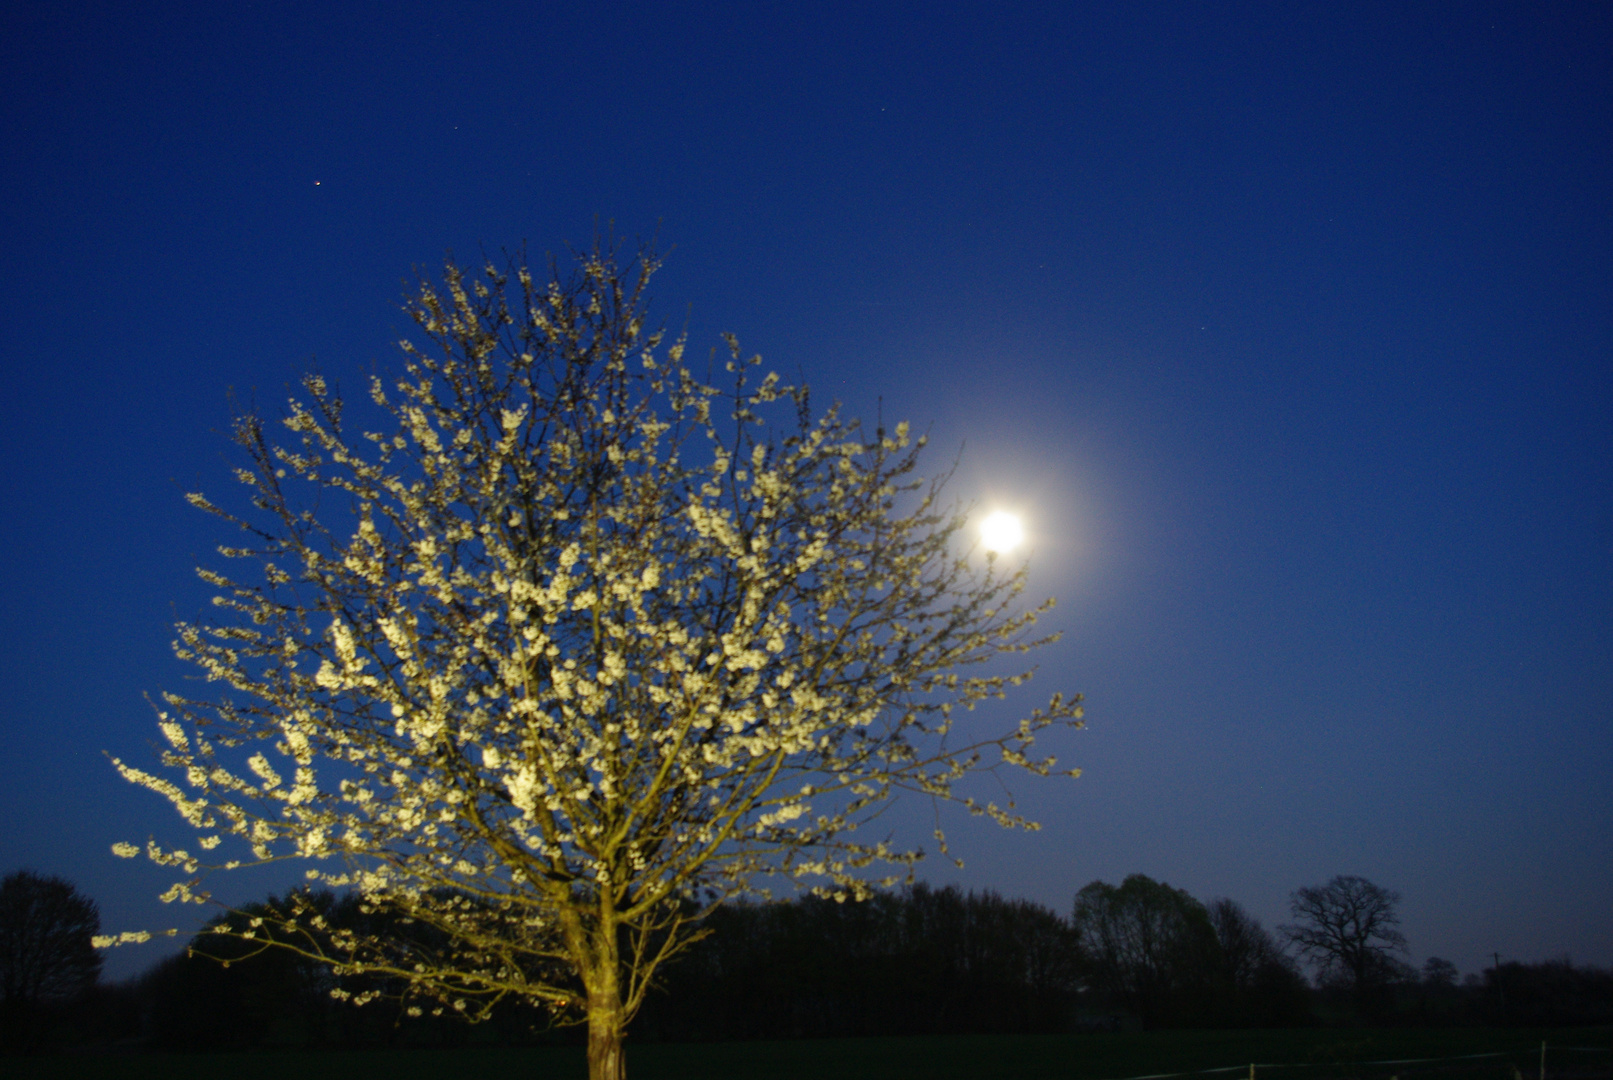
[1307, 1054]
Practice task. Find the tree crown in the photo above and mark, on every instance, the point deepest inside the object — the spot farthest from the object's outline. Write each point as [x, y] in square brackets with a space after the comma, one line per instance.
[579, 645]
[47, 934]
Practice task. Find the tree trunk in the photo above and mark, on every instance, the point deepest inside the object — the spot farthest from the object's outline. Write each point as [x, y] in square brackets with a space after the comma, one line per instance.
[605, 1025]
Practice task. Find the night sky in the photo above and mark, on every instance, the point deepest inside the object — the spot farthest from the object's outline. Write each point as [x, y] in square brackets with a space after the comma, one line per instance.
[1288, 328]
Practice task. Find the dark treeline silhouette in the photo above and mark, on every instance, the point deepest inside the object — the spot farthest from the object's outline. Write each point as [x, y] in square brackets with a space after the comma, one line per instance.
[1551, 993]
[919, 961]
[911, 962]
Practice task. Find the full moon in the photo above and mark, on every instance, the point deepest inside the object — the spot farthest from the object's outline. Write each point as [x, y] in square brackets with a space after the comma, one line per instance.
[1001, 531]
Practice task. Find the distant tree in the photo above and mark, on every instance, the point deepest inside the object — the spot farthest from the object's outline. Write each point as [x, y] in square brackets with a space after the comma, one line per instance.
[1436, 996]
[1262, 985]
[1439, 973]
[1349, 929]
[1245, 944]
[47, 952]
[570, 646]
[1149, 947]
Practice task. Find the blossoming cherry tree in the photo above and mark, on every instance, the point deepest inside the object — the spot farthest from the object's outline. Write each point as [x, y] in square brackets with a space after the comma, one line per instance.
[571, 647]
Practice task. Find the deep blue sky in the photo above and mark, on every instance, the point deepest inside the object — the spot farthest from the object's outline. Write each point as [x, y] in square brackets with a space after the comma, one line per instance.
[1289, 327]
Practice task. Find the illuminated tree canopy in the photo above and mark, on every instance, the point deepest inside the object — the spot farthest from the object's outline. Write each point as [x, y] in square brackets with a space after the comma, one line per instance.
[567, 646]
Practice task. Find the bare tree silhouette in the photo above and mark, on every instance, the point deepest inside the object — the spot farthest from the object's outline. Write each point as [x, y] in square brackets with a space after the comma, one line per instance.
[1348, 929]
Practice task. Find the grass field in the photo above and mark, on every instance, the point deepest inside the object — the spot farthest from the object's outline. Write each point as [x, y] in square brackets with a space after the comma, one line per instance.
[1307, 1054]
